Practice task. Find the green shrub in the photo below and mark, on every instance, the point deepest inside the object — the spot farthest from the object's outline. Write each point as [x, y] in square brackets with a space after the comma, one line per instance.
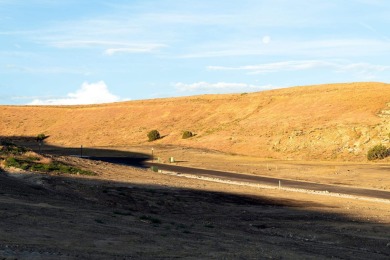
[14, 156]
[12, 149]
[153, 135]
[41, 137]
[378, 152]
[12, 162]
[187, 134]
[29, 165]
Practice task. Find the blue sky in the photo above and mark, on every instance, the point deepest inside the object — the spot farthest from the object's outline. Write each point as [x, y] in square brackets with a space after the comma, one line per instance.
[82, 51]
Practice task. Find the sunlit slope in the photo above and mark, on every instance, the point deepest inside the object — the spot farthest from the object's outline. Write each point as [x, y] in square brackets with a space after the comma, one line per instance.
[339, 121]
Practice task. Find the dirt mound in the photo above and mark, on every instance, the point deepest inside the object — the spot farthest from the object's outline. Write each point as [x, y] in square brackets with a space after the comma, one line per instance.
[326, 122]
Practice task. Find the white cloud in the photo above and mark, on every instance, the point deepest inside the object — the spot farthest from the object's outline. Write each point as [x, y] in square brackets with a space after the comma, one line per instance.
[224, 86]
[266, 39]
[82, 43]
[337, 66]
[89, 93]
[141, 48]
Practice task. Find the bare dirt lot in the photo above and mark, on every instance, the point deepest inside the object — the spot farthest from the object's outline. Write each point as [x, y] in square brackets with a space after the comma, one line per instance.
[128, 213]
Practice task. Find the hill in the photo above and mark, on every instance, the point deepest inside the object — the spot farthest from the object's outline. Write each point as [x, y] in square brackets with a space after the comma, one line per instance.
[323, 122]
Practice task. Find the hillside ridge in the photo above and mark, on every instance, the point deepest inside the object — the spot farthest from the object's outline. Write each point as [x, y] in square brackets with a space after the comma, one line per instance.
[322, 122]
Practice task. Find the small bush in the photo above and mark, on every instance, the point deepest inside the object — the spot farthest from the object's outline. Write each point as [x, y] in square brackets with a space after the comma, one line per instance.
[12, 162]
[378, 152]
[12, 149]
[22, 158]
[153, 135]
[187, 134]
[41, 137]
[32, 158]
[29, 165]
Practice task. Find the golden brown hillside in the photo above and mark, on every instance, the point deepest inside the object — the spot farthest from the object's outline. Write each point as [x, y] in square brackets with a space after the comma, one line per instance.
[326, 122]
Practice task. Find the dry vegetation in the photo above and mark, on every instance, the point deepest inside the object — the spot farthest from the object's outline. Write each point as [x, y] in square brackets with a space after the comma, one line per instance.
[127, 213]
[326, 122]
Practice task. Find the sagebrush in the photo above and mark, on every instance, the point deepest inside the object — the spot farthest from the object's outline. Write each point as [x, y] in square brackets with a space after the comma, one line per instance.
[378, 152]
[187, 134]
[154, 135]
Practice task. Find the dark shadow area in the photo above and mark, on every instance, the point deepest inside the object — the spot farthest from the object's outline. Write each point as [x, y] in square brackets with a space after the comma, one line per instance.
[100, 154]
[63, 217]
[53, 217]
[142, 160]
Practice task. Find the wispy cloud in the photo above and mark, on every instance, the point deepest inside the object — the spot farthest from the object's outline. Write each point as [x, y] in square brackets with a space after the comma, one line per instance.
[47, 70]
[224, 86]
[375, 31]
[337, 66]
[276, 66]
[108, 35]
[110, 47]
[134, 48]
[89, 93]
[82, 43]
[288, 47]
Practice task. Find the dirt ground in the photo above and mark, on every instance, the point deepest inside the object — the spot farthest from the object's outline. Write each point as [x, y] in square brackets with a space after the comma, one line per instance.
[129, 213]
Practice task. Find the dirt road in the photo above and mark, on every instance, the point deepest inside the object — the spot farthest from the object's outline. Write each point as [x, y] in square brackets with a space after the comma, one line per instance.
[256, 179]
[275, 181]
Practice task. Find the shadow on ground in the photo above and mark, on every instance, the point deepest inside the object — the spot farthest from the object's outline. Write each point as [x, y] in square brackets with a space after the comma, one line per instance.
[61, 217]
[52, 216]
[100, 154]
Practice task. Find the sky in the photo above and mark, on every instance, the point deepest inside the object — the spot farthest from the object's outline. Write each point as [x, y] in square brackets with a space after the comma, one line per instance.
[84, 52]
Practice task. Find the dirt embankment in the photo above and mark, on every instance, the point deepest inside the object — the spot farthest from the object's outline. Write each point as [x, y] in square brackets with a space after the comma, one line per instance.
[326, 122]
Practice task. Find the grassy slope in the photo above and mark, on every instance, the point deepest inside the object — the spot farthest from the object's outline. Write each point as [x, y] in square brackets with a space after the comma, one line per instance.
[339, 121]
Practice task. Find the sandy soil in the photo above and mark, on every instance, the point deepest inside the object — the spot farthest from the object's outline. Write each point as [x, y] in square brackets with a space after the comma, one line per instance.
[128, 213]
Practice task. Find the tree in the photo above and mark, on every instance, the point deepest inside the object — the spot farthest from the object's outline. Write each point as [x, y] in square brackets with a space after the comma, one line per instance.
[40, 138]
[153, 135]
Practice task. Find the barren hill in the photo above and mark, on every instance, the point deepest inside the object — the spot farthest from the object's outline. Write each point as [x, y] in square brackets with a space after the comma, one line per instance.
[326, 122]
